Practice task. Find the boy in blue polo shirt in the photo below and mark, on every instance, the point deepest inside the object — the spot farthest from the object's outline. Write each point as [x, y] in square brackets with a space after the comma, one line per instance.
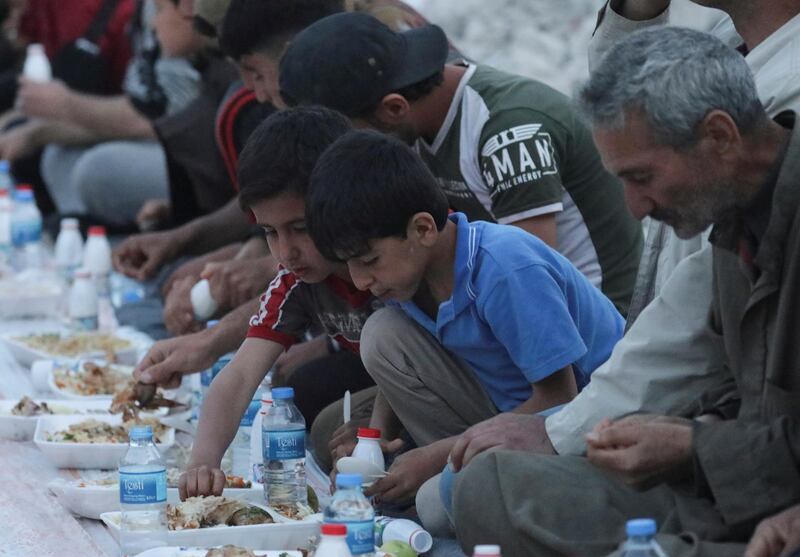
[483, 318]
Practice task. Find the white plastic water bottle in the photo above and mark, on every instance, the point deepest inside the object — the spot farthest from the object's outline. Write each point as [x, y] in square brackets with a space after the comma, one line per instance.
[69, 248]
[83, 305]
[6, 182]
[401, 529]
[368, 447]
[207, 375]
[334, 542]
[125, 290]
[486, 551]
[5, 226]
[142, 495]
[97, 254]
[256, 444]
[641, 539]
[283, 434]
[26, 229]
[240, 446]
[37, 66]
[350, 507]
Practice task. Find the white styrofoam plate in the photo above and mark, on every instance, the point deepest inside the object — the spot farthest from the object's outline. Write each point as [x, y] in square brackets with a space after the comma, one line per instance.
[281, 536]
[201, 552]
[21, 428]
[90, 500]
[85, 455]
[26, 355]
[43, 376]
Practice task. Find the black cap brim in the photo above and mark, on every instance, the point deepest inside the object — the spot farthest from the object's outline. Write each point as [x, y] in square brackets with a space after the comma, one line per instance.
[426, 53]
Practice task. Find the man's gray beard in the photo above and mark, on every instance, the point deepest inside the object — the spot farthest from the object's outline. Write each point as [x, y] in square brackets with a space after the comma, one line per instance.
[699, 210]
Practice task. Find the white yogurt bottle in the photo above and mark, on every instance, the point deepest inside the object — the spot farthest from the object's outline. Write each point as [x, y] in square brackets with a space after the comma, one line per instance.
[333, 543]
[368, 447]
[203, 304]
[69, 248]
[37, 66]
[83, 301]
[97, 254]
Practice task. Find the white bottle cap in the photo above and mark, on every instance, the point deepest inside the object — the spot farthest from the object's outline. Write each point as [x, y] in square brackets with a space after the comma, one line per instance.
[83, 273]
[486, 551]
[203, 304]
[69, 224]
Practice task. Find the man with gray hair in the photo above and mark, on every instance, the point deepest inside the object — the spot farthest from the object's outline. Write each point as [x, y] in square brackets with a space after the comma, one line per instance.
[676, 116]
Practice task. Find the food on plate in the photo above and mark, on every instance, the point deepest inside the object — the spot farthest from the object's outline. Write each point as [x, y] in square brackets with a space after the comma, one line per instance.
[75, 344]
[207, 512]
[94, 431]
[237, 482]
[91, 379]
[27, 407]
[109, 481]
[230, 551]
[135, 396]
[295, 511]
[231, 482]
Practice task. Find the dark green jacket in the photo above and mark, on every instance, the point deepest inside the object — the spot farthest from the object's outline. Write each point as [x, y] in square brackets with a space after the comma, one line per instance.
[750, 465]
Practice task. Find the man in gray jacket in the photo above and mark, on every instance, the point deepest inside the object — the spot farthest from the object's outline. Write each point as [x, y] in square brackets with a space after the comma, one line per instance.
[676, 115]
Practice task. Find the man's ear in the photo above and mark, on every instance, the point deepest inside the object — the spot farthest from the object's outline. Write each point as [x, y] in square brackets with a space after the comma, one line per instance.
[422, 228]
[719, 135]
[392, 110]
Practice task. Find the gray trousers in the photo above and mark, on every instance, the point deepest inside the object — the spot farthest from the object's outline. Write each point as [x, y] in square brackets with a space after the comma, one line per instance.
[433, 393]
[562, 505]
[110, 181]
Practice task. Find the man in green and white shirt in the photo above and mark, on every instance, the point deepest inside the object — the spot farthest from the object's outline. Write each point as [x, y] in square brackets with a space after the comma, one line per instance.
[503, 147]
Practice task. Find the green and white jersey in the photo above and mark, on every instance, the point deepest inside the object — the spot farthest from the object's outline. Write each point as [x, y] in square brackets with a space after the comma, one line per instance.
[512, 148]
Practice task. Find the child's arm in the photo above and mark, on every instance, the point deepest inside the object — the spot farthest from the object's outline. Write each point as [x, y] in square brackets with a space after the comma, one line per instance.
[555, 389]
[226, 401]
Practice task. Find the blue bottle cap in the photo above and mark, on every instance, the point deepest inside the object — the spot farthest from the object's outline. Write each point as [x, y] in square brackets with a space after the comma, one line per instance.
[23, 195]
[131, 297]
[211, 323]
[282, 393]
[641, 527]
[4, 166]
[348, 480]
[141, 433]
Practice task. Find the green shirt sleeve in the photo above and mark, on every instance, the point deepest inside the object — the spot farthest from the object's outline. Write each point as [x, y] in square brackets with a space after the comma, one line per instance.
[520, 156]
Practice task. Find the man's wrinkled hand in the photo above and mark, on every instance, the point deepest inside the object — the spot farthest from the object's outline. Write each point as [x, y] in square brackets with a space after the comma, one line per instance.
[236, 281]
[777, 535]
[169, 360]
[643, 451]
[406, 475]
[142, 255]
[178, 313]
[509, 431]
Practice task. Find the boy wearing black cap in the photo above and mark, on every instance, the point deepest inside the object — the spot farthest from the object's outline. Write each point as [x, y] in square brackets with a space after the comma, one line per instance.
[504, 148]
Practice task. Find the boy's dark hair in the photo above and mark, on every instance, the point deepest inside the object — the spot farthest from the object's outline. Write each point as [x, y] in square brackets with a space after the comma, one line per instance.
[255, 25]
[282, 151]
[365, 187]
